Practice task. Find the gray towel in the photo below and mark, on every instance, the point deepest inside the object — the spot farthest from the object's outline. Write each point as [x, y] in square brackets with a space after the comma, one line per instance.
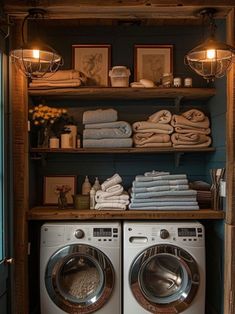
[115, 142]
[140, 184]
[164, 177]
[100, 116]
[163, 193]
[162, 204]
[118, 129]
[161, 188]
[166, 208]
[169, 198]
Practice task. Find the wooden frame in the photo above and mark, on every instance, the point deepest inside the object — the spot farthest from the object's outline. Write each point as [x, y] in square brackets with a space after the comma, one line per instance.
[151, 61]
[50, 184]
[94, 62]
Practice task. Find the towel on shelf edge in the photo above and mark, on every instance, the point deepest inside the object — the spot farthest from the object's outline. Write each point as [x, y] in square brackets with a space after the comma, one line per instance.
[118, 129]
[100, 116]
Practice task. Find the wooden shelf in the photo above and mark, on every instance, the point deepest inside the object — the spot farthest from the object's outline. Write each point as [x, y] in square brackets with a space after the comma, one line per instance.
[132, 150]
[53, 213]
[123, 93]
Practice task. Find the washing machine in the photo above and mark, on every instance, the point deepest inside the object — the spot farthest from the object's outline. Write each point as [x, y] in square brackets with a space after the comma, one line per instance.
[80, 268]
[164, 268]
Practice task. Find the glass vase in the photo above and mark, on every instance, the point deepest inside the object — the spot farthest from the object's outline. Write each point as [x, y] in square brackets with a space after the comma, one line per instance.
[43, 137]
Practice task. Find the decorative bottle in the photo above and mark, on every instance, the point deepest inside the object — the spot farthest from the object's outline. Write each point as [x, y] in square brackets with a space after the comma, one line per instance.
[96, 185]
[86, 186]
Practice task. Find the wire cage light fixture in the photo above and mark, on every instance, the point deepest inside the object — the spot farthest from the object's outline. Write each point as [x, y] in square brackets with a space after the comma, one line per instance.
[36, 58]
[212, 58]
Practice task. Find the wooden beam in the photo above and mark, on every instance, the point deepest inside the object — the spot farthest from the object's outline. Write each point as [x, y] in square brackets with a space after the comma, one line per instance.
[18, 94]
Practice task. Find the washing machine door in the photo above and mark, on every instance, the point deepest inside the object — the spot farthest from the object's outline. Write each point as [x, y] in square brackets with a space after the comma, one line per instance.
[79, 278]
[164, 279]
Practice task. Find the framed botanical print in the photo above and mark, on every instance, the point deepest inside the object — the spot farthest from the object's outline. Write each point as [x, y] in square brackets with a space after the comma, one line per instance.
[151, 61]
[94, 62]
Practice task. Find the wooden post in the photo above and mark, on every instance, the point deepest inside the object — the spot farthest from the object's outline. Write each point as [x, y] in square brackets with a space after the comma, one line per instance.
[18, 101]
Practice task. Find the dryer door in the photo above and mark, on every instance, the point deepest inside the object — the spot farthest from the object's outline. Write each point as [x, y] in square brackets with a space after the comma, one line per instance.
[164, 278]
[79, 278]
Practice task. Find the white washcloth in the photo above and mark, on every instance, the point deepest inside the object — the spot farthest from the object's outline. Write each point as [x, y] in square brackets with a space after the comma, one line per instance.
[111, 206]
[115, 179]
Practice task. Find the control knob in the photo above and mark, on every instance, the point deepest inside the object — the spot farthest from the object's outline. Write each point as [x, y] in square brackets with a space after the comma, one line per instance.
[164, 234]
[79, 233]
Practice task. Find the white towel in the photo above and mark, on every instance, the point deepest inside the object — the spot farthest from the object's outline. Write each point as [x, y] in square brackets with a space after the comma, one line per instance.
[115, 179]
[105, 194]
[111, 206]
[102, 196]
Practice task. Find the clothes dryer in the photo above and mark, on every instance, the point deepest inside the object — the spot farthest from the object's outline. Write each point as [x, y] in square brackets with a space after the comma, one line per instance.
[80, 268]
[164, 268]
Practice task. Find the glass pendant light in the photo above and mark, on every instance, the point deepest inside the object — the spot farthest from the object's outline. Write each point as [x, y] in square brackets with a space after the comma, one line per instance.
[212, 58]
[35, 59]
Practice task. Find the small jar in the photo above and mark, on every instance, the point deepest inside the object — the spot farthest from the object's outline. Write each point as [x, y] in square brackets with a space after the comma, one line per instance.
[54, 142]
[167, 79]
[66, 140]
[188, 82]
[177, 82]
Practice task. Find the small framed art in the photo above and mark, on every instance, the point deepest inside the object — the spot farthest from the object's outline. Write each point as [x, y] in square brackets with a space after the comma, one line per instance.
[52, 185]
[151, 61]
[94, 62]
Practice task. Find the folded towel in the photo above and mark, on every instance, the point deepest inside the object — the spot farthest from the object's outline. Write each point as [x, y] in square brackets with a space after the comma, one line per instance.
[160, 188]
[104, 194]
[163, 193]
[119, 129]
[155, 173]
[168, 198]
[185, 129]
[151, 139]
[111, 206]
[161, 177]
[100, 116]
[123, 202]
[115, 142]
[145, 126]
[66, 83]
[111, 182]
[172, 207]
[162, 204]
[62, 75]
[103, 197]
[190, 139]
[162, 116]
[140, 184]
[194, 115]
[182, 121]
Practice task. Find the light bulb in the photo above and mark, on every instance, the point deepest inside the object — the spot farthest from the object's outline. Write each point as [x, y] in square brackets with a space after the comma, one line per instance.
[210, 54]
[36, 54]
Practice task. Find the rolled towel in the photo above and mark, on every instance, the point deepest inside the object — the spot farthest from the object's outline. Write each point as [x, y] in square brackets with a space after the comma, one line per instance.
[99, 197]
[105, 194]
[141, 139]
[194, 115]
[100, 116]
[108, 142]
[162, 116]
[123, 202]
[111, 182]
[118, 129]
[190, 139]
[145, 126]
[181, 121]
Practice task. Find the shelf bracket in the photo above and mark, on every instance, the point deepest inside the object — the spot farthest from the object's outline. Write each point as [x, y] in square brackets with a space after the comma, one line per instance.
[178, 103]
[39, 156]
[178, 155]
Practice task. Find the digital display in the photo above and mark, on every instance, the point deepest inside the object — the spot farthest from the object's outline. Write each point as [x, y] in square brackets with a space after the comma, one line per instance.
[187, 232]
[102, 232]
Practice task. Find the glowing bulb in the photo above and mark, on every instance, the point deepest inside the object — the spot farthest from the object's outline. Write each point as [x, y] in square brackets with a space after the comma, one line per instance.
[36, 54]
[210, 54]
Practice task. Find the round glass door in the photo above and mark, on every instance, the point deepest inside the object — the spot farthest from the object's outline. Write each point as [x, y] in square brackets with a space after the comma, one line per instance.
[164, 276]
[79, 278]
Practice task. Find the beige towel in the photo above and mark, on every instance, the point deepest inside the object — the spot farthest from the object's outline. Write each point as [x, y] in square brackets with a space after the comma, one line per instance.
[145, 126]
[194, 115]
[62, 75]
[64, 83]
[184, 129]
[190, 139]
[151, 140]
[162, 116]
[183, 121]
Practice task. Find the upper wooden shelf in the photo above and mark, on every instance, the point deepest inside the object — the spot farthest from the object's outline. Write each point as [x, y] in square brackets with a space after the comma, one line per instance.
[123, 93]
[53, 213]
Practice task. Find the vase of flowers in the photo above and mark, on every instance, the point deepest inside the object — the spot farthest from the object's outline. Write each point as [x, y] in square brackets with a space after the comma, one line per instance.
[43, 118]
[62, 190]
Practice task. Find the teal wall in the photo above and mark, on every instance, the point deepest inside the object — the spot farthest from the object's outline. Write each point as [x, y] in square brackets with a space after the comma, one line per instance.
[196, 166]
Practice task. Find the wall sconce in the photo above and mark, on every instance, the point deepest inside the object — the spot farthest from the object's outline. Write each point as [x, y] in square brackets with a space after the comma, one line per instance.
[212, 58]
[35, 59]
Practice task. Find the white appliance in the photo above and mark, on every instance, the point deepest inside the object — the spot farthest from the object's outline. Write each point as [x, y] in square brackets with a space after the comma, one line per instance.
[164, 268]
[80, 268]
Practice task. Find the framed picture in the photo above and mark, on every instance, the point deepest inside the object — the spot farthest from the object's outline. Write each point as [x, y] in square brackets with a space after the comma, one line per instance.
[53, 184]
[151, 61]
[94, 62]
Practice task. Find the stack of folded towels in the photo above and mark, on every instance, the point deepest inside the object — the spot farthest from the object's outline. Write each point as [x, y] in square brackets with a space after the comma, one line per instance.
[162, 191]
[155, 131]
[103, 130]
[61, 78]
[112, 195]
[192, 129]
